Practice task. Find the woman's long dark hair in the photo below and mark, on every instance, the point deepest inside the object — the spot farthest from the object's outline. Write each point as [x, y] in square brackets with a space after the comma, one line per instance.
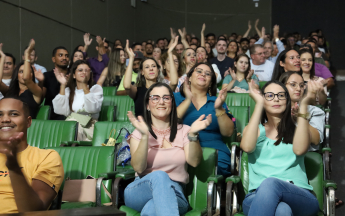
[312, 70]
[72, 82]
[173, 115]
[141, 80]
[71, 62]
[13, 90]
[237, 48]
[279, 70]
[236, 60]
[286, 127]
[213, 90]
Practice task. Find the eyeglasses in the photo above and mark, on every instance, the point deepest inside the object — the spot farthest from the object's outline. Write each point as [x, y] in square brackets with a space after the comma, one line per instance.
[86, 70]
[294, 85]
[270, 96]
[156, 98]
[200, 72]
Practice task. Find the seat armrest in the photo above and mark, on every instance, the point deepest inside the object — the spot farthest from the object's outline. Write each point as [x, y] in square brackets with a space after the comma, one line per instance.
[236, 143]
[108, 175]
[234, 179]
[68, 143]
[326, 149]
[130, 174]
[85, 143]
[330, 183]
[215, 178]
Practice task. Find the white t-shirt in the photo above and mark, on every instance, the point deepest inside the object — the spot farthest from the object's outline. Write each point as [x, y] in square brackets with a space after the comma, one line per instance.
[7, 82]
[263, 72]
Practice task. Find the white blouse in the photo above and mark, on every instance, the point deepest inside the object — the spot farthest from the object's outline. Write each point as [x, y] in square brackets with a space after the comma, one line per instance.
[83, 104]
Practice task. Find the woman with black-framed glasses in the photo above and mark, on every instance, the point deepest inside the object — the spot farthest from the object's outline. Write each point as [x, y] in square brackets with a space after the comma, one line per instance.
[278, 183]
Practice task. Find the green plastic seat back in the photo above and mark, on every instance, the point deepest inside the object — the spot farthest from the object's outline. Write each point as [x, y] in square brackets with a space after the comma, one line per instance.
[314, 169]
[43, 113]
[102, 130]
[79, 162]
[109, 91]
[261, 84]
[50, 133]
[196, 189]
[220, 84]
[241, 114]
[107, 113]
[240, 99]
[122, 105]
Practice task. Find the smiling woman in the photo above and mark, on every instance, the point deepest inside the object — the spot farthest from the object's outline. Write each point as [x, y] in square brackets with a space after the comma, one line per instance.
[288, 60]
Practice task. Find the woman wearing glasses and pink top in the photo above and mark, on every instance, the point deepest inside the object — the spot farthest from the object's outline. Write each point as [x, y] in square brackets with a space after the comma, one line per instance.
[160, 148]
[278, 183]
[198, 96]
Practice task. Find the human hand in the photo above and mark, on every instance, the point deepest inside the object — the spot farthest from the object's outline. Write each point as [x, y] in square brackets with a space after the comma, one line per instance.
[200, 124]
[129, 50]
[139, 123]
[39, 75]
[249, 25]
[311, 93]
[255, 93]
[9, 147]
[182, 33]
[227, 72]
[173, 45]
[29, 49]
[60, 77]
[250, 74]
[256, 23]
[100, 41]
[294, 112]
[276, 29]
[187, 89]
[87, 40]
[203, 28]
[172, 33]
[263, 32]
[233, 74]
[2, 54]
[221, 98]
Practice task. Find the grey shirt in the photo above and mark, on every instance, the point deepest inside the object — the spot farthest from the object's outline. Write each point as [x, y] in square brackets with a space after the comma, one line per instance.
[317, 121]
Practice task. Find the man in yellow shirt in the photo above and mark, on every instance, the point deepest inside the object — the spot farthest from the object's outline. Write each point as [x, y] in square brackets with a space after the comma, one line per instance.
[29, 177]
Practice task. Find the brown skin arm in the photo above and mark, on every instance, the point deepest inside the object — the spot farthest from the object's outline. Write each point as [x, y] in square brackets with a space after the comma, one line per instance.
[330, 83]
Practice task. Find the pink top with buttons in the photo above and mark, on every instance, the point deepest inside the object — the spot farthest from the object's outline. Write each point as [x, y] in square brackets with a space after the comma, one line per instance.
[170, 160]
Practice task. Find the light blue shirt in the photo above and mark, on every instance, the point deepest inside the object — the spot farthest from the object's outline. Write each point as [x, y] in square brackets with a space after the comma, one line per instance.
[280, 47]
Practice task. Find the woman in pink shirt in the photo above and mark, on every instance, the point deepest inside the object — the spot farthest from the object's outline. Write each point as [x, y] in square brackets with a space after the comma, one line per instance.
[160, 150]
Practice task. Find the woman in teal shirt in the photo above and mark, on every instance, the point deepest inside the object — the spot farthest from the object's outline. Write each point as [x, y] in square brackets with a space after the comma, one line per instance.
[278, 183]
[240, 75]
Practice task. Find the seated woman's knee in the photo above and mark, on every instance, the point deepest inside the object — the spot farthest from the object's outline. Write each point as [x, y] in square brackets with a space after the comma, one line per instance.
[283, 209]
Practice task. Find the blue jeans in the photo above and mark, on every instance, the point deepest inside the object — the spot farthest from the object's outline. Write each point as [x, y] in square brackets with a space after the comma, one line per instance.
[156, 194]
[277, 197]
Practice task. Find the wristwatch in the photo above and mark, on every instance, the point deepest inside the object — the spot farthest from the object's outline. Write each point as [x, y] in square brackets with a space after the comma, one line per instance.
[305, 116]
[193, 138]
[277, 39]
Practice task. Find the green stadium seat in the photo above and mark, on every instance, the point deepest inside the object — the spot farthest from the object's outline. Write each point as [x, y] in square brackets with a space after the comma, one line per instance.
[122, 105]
[51, 133]
[261, 84]
[109, 91]
[107, 113]
[240, 99]
[43, 113]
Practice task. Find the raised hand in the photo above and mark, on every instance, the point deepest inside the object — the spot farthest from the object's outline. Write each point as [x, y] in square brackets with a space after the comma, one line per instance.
[2, 54]
[221, 98]
[233, 74]
[182, 33]
[129, 50]
[249, 25]
[255, 93]
[139, 123]
[200, 124]
[311, 92]
[276, 29]
[60, 77]
[10, 149]
[263, 32]
[256, 23]
[250, 74]
[187, 90]
[30, 48]
[100, 41]
[39, 75]
[294, 112]
[203, 28]
[172, 33]
[87, 40]
[173, 45]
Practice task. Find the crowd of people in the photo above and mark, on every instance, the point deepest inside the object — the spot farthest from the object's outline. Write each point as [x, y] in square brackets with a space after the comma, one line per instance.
[179, 88]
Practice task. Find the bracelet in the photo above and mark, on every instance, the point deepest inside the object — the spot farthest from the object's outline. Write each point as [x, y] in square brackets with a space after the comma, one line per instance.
[220, 114]
[27, 60]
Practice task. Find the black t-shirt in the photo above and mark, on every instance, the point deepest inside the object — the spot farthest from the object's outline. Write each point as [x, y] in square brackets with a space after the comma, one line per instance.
[53, 89]
[28, 98]
[223, 65]
[139, 101]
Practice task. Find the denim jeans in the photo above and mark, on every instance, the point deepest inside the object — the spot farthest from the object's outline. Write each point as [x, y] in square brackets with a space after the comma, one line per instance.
[156, 194]
[277, 197]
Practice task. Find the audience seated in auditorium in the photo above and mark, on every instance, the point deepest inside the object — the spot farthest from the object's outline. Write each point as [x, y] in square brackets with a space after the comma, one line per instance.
[201, 53]
[116, 68]
[198, 96]
[8, 67]
[23, 83]
[240, 75]
[30, 177]
[223, 62]
[79, 100]
[276, 149]
[160, 149]
[98, 63]
[148, 50]
[263, 68]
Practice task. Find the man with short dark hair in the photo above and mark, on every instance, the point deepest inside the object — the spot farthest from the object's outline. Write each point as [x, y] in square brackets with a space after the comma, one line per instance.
[51, 87]
[263, 68]
[30, 178]
[148, 50]
[252, 41]
[211, 39]
[138, 58]
[291, 42]
[137, 47]
[222, 61]
[244, 43]
[179, 48]
[195, 40]
[9, 66]
[160, 43]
